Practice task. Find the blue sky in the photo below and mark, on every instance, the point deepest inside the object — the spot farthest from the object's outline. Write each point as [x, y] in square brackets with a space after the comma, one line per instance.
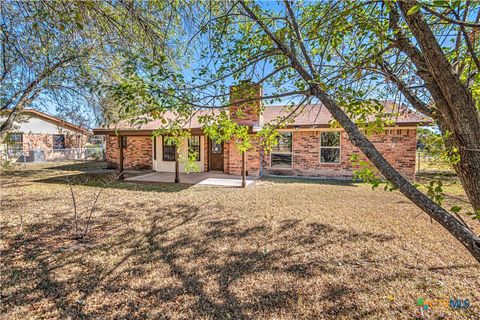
[274, 5]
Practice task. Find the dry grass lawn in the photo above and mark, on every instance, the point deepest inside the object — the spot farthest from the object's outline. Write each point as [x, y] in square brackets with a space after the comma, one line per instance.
[285, 249]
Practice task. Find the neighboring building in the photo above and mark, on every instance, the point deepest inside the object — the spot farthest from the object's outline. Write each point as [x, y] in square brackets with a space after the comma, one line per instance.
[37, 136]
[308, 146]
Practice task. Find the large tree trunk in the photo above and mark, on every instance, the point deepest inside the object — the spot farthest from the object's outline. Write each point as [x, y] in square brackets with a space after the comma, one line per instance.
[466, 236]
[457, 107]
[459, 230]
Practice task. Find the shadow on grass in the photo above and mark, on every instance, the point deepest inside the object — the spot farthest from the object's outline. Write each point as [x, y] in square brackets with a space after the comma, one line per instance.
[339, 182]
[104, 180]
[79, 166]
[23, 173]
[178, 247]
[444, 176]
[39, 170]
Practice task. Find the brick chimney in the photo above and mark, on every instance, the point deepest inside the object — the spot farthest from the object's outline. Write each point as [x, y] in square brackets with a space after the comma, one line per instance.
[247, 113]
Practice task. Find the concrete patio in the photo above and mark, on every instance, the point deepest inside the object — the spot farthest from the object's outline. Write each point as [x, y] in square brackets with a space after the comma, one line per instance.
[195, 178]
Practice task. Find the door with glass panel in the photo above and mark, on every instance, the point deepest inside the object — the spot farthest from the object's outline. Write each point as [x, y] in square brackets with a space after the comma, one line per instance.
[215, 162]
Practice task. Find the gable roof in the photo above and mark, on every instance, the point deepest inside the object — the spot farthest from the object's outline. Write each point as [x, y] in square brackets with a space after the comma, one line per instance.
[54, 120]
[310, 116]
[318, 116]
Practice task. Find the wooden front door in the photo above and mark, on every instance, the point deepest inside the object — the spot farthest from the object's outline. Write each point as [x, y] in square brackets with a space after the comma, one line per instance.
[215, 152]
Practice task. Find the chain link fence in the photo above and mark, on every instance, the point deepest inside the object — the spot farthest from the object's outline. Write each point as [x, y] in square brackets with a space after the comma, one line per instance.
[73, 154]
[426, 163]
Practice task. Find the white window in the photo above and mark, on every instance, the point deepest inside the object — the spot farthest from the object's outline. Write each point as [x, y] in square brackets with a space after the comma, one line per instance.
[330, 147]
[281, 155]
[14, 142]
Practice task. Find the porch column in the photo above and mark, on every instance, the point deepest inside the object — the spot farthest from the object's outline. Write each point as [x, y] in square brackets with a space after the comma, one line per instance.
[120, 158]
[244, 170]
[177, 164]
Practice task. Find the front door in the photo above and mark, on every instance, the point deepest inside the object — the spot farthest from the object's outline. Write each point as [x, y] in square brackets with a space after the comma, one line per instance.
[215, 162]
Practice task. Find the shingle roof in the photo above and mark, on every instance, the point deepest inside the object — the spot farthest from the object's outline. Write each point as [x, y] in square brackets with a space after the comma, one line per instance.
[169, 115]
[314, 115]
[318, 115]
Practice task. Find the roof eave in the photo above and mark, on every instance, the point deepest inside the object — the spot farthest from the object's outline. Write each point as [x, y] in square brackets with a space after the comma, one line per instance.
[55, 120]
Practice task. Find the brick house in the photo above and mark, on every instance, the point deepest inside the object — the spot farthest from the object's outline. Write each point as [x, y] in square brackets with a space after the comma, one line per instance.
[307, 146]
[38, 136]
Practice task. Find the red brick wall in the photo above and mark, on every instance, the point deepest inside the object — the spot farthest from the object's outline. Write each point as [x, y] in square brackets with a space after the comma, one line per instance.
[398, 147]
[32, 141]
[205, 153]
[137, 154]
[247, 113]
[75, 140]
[111, 152]
[41, 141]
[44, 142]
[227, 146]
[233, 159]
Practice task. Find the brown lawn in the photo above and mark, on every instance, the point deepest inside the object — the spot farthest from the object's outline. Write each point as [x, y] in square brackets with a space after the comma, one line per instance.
[285, 249]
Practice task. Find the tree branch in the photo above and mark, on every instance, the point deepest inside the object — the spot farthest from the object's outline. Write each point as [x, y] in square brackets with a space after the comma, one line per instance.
[469, 44]
[26, 98]
[446, 219]
[454, 21]
[252, 61]
[402, 42]
[299, 38]
[411, 97]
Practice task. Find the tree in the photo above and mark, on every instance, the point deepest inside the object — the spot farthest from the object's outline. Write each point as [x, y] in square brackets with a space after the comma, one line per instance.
[298, 50]
[427, 51]
[59, 52]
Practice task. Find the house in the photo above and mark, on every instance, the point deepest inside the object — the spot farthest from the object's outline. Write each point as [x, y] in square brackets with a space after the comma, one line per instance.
[37, 136]
[307, 146]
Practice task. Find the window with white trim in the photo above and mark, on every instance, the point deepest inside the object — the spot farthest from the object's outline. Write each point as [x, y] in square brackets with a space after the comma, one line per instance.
[330, 147]
[281, 155]
[14, 142]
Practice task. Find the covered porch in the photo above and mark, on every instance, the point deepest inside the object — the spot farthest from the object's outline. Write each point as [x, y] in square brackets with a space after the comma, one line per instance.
[218, 163]
[194, 178]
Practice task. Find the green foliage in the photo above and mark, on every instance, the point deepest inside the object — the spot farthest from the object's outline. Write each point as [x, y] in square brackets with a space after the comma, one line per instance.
[7, 164]
[349, 43]
[178, 137]
[190, 162]
[414, 9]
[63, 51]
[435, 191]
[433, 145]
[365, 171]
[455, 209]
[268, 137]
[475, 215]
[221, 128]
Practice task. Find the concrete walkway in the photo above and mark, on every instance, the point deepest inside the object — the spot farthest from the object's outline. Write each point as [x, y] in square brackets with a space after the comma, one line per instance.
[195, 178]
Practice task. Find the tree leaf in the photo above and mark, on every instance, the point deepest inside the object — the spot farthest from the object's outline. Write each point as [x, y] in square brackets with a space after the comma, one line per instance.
[455, 209]
[413, 9]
